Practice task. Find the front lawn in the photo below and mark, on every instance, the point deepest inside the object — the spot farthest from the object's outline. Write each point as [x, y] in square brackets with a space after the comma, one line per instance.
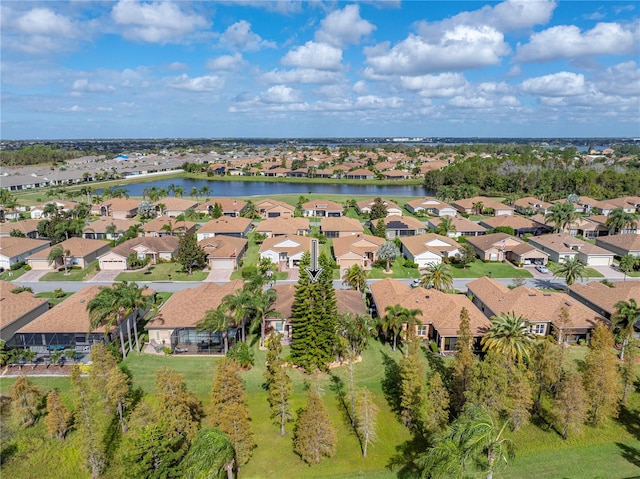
[74, 274]
[162, 272]
[479, 269]
[588, 272]
[8, 275]
[52, 297]
[398, 270]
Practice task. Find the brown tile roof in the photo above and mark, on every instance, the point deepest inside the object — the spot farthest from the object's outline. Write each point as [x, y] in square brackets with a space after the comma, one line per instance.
[348, 301]
[14, 306]
[304, 244]
[532, 304]
[460, 222]
[186, 308]
[221, 246]
[485, 242]
[467, 203]
[24, 226]
[628, 241]
[420, 243]
[176, 204]
[156, 224]
[158, 244]
[78, 247]
[12, 246]
[359, 244]
[228, 205]
[283, 226]
[408, 222]
[531, 202]
[122, 204]
[268, 203]
[605, 297]
[442, 310]
[562, 243]
[513, 221]
[324, 205]
[342, 223]
[371, 201]
[226, 224]
[101, 225]
[428, 202]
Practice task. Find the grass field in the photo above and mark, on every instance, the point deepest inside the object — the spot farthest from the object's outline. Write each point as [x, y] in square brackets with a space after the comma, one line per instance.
[611, 451]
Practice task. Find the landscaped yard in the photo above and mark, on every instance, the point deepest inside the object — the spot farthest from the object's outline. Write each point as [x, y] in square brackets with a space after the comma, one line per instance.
[589, 272]
[163, 272]
[74, 274]
[398, 270]
[52, 297]
[478, 269]
[9, 275]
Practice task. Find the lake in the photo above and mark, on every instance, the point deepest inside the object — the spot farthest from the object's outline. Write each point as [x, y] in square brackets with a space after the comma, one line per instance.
[256, 188]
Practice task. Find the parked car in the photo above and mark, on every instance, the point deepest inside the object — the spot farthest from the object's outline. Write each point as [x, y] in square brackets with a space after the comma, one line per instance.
[542, 268]
[415, 283]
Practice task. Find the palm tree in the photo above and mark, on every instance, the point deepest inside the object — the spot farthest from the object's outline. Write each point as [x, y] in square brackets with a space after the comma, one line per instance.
[388, 252]
[627, 313]
[561, 215]
[509, 335]
[478, 207]
[619, 220]
[58, 253]
[571, 269]
[217, 320]
[262, 304]
[392, 322]
[355, 278]
[115, 304]
[178, 191]
[205, 191]
[445, 226]
[437, 276]
[195, 192]
[251, 211]
[626, 264]
[210, 455]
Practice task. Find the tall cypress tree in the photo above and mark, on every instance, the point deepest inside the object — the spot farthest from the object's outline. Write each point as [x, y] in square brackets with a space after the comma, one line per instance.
[314, 314]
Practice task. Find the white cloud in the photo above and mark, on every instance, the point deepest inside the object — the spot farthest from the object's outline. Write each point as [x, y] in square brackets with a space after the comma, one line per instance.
[280, 94]
[178, 66]
[313, 55]
[197, 84]
[240, 37]
[555, 85]
[160, 22]
[360, 87]
[442, 85]
[42, 21]
[228, 63]
[343, 27]
[83, 85]
[461, 48]
[302, 75]
[621, 79]
[566, 41]
[471, 102]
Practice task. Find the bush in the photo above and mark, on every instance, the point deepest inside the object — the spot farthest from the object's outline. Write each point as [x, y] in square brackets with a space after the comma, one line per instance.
[58, 293]
[409, 263]
[241, 353]
[249, 271]
[18, 265]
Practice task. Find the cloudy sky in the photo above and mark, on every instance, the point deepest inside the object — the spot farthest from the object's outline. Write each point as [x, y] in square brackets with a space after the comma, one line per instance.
[265, 68]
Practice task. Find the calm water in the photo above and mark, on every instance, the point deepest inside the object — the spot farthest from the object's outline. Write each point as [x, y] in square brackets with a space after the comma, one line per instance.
[254, 188]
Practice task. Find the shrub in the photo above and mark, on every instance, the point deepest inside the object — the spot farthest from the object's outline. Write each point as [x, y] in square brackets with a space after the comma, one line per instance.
[18, 265]
[58, 293]
[249, 271]
[409, 263]
[241, 353]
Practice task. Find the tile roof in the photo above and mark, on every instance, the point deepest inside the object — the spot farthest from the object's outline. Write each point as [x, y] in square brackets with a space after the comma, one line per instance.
[513, 221]
[420, 243]
[78, 247]
[186, 308]
[371, 201]
[359, 243]
[403, 222]
[563, 243]
[226, 224]
[221, 246]
[14, 306]
[531, 202]
[342, 223]
[101, 224]
[11, 246]
[628, 241]
[428, 202]
[467, 203]
[122, 204]
[303, 244]
[24, 226]
[531, 303]
[460, 223]
[324, 205]
[605, 297]
[282, 226]
[485, 242]
[348, 301]
[176, 204]
[158, 244]
[156, 224]
[227, 205]
[442, 310]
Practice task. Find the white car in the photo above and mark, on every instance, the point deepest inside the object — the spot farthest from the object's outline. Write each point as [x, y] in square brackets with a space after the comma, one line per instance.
[415, 283]
[542, 269]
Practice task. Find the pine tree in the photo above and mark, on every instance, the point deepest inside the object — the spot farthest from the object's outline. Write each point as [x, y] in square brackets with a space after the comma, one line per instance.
[189, 254]
[489, 383]
[279, 393]
[437, 405]
[314, 314]
[378, 209]
[628, 369]
[25, 401]
[519, 397]
[314, 435]
[366, 413]
[463, 364]
[58, 417]
[179, 408]
[380, 229]
[229, 412]
[118, 389]
[216, 212]
[570, 405]
[601, 377]
[412, 386]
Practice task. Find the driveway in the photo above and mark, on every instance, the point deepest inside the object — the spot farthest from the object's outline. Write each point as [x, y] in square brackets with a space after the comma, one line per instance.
[219, 276]
[609, 272]
[32, 276]
[105, 276]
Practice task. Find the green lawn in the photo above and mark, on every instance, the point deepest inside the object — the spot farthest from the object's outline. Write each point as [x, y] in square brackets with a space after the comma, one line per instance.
[163, 272]
[589, 272]
[478, 269]
[52, 299]
[398, 270]
[74, 274]
[9, 275]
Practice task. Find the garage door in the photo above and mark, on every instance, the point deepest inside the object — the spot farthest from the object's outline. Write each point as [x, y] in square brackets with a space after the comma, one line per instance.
[223, 264]
[111, 265]
[599, 261]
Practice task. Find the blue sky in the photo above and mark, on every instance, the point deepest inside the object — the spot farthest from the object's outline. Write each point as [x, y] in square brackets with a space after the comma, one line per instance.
[138, 69]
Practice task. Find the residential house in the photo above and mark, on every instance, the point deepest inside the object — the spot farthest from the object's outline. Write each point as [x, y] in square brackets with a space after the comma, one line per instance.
[546, 312]
[238, 227]
[429, 248]
[229, 206]
[501, 247]
[28, 227]
[18, 310]
[339, 227]
[520, 225]
[461, 226]
[14, 250]
[584, 204]
[106, 228]
[280, 320]
[602, 299]
[37, 212]
[629, 204]
[81, 253]
[175, 324]
[621, 245]
[360, 174]
[224, 252]
[154, 248]
[285, 251]
[440, 318]
[586, 227]
[269, 208]
[560, 246]
[284, 226]
[322, 208]
[431, 206]
[167, 226]
[396, 175]
[67, 326]
[119, 208]
[530, 206]
[399, 226]
[360, 249]
[364, 207]
[174, 207]
[469, 206]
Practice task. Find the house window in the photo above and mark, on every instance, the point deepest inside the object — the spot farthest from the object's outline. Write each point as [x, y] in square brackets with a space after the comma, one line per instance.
[278, 326]
[422, 330]
[539, 328]
[493, 257]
